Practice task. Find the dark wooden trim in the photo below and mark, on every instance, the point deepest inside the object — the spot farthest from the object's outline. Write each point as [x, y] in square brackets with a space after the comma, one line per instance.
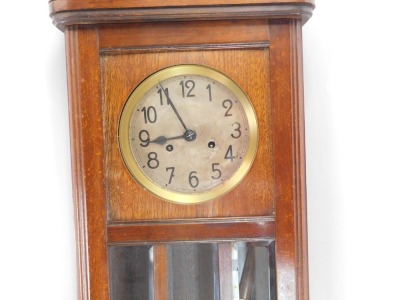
[85, 101]
[63, 5]
[181, 231]
[63, 18]
[288, 140]
[300, 162]
[203, 47]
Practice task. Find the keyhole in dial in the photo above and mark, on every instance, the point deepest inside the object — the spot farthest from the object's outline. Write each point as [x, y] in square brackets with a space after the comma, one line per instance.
[211, 144]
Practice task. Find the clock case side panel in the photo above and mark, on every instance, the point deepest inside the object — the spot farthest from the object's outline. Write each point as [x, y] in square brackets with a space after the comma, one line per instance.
[85, 106]
[289, 158]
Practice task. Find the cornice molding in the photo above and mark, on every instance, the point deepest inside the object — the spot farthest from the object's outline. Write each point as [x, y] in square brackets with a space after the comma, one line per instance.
[62, 19]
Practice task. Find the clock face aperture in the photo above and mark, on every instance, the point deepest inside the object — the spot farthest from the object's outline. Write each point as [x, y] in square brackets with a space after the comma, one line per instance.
[188, 134]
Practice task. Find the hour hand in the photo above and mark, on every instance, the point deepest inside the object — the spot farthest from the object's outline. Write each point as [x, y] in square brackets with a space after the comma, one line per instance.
[161, 140]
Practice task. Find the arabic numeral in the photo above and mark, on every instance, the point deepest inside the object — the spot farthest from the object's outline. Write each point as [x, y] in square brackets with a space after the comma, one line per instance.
[209, 92]
[150, 114]
[172, 169]
[216, 170]
[193, 179]
[144, 137]
[237, 133]
[153, 162]
[229, 154]
[163, 93]
[187, 85]
[227, 104]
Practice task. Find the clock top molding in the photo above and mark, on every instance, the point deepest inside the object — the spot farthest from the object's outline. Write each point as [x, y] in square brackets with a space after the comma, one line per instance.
[85, 12]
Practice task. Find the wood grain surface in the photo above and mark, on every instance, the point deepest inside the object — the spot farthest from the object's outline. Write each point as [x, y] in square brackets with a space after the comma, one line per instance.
[84, 88]
[127, 200]
[288, 140]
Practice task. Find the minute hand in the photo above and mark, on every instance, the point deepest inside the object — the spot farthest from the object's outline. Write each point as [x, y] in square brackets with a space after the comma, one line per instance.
[173, 107]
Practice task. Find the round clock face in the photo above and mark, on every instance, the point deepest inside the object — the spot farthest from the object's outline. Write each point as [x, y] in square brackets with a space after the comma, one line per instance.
[188, 134]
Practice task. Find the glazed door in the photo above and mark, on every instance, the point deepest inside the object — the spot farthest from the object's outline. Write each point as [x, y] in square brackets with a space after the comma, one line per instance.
[195, 271]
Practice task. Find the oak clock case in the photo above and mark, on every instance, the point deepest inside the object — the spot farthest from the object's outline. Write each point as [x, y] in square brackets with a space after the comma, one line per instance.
[187, 147]
[188, 134]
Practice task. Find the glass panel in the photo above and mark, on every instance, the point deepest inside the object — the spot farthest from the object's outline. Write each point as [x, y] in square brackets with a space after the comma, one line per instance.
[193, 272]
[131, 272]
[255, 267]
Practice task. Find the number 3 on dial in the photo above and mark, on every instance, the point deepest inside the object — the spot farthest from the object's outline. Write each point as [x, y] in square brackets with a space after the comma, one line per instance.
[188, 134]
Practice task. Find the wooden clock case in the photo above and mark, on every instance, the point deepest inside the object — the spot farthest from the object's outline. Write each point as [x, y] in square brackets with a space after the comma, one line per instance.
[112, 46]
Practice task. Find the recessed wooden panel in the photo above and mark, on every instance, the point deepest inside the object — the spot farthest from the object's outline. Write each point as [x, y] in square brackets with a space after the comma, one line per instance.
[172, 34]
[127, 201]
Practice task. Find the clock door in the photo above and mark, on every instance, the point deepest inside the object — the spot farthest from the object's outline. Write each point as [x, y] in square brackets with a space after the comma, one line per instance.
[219, 249]
[248, 242]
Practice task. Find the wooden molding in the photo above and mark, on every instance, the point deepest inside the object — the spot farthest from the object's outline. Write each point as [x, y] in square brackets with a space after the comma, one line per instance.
[158, 232]
[288, 131]
[63, 5]
[72, 15]
[84, 90]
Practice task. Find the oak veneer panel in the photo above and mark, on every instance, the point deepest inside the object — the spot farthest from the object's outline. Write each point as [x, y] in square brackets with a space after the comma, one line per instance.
[127, 201]
[183, 33]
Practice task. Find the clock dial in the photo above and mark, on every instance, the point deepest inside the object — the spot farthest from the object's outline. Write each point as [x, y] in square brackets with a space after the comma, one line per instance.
[188, 134]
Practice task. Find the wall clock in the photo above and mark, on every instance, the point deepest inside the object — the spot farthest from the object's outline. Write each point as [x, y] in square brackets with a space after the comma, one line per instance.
[187, 144]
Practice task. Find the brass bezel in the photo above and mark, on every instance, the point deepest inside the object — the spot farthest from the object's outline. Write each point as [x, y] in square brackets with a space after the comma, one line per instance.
[136, 171]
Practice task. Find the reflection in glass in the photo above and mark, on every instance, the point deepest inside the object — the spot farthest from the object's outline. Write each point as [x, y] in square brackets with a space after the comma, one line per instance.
[255, 267]
[131, 272]
[193, 272]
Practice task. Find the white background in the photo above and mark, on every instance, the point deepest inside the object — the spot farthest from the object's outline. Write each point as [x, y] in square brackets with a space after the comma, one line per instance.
[351, 67]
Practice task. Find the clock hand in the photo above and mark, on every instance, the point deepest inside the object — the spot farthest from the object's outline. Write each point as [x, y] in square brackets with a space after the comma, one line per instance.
[161, 140]
[173, 107]
[189, 134]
